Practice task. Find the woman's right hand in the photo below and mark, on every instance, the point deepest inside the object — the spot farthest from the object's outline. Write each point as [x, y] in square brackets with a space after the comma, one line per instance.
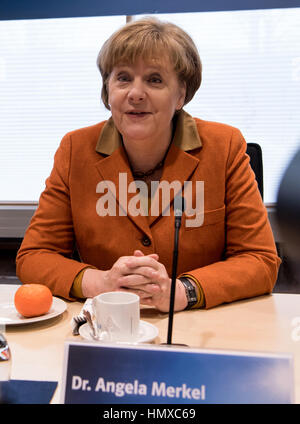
[95, 282]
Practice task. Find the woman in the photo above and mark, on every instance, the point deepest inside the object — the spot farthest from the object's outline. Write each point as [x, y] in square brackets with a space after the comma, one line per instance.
[150, 70]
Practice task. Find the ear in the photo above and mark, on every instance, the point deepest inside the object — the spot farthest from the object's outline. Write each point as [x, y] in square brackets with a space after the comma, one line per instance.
[182, 94]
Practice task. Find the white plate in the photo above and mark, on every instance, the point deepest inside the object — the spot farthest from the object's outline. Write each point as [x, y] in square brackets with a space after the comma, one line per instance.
[147, 333]
[10, 316]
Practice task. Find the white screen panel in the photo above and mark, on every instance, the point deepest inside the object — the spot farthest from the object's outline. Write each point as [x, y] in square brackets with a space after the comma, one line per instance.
[49, 85]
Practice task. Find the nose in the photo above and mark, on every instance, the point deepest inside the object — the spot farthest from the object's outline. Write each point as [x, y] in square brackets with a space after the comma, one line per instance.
[137, 91]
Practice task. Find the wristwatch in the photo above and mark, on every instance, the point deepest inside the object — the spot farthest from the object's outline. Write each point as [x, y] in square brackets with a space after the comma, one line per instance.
[190, 292]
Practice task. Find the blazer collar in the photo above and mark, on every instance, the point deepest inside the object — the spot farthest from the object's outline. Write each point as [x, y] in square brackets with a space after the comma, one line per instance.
[186, 136]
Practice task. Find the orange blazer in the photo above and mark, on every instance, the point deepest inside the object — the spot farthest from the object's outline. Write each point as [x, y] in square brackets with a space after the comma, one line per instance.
[232, 254]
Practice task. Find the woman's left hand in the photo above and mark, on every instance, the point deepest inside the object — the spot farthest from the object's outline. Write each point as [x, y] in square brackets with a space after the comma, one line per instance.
[158, 285]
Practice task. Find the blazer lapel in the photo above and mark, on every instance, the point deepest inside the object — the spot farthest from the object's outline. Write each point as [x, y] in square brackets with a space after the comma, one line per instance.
[178, 168]
[115, 169]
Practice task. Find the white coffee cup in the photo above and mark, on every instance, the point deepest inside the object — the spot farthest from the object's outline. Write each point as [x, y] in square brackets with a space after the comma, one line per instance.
[117, 315]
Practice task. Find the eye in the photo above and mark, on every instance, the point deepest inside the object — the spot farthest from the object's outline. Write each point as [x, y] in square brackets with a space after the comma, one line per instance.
[123, 77]
[155, 79]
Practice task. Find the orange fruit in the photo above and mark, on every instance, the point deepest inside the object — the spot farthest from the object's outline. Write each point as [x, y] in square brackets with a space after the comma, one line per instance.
[32, 300]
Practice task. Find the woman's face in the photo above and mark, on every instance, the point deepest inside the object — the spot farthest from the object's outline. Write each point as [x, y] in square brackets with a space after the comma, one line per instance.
[143, 98]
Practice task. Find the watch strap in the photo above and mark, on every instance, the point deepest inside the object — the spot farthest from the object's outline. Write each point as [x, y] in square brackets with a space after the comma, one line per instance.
[190, 292]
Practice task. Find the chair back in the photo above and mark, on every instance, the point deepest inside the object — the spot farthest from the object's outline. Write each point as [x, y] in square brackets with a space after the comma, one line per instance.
[255, 153]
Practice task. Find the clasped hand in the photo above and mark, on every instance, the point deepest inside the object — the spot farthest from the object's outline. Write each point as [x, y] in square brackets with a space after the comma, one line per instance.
[145, 276]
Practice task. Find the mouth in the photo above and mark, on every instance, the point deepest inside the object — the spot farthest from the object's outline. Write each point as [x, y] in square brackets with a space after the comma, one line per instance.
[137, 113]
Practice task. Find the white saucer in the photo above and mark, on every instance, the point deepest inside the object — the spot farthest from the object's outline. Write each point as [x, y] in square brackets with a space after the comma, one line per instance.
[10, 316]
[147, 333]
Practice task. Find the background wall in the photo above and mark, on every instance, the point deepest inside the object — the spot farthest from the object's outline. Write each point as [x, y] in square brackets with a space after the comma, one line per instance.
[34, 9]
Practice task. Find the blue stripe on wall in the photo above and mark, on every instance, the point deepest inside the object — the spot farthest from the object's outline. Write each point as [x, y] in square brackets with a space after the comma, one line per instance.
[33, 9]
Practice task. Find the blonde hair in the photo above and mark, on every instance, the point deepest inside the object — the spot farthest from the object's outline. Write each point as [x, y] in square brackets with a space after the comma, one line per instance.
[150, 38]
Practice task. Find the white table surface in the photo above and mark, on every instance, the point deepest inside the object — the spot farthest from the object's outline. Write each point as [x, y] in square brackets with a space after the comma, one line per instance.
[262, 324]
